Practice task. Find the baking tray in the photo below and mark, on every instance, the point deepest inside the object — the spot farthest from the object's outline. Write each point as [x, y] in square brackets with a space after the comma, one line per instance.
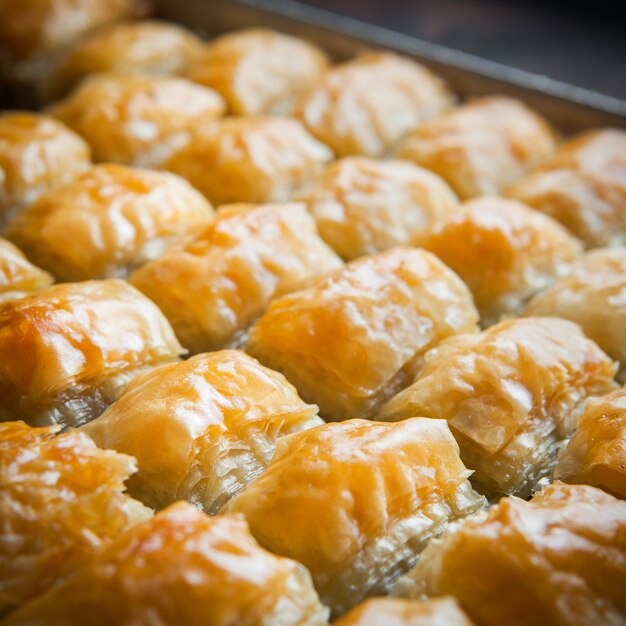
[569, 108]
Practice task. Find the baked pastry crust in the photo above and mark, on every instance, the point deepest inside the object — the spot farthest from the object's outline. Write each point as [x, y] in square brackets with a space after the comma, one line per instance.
[214, 288]
[201, 429]
[182, 567]
[482, 146]
[108, 221]
[356, 501]
[511, 395]
[18, 277]
[74, 346]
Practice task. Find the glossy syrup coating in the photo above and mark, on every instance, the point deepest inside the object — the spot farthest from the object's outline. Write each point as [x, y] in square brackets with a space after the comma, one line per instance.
[61, 500]
[558, 559]
[108, 221]
[363, 206]
[203, 428]
[356, 501]
[36, 152]
[511, 395]
[504, 251]
[73, 348]
[136, 119]
[181, 567]
[355, 337]
[258, 71]
[583, 186]
[365, 106]
[214, 288]
[482, 146]
[19, 277]
[250, 159]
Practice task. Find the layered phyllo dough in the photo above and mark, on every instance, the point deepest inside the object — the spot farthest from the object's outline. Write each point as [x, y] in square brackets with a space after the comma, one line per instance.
[19, 277]
[181, 567]
[356, 501]
[36, 152]
[108, 221]
[61, 500]
[504, 251]
[482, 146]
[511, 395]
[201, 429]
[137, 119]
[212, 289]
[256, 159]
[73, 347]
[259, 72]
[558, 559]
[365, 106]
[363, 206]
[584, 187]
[355, 337]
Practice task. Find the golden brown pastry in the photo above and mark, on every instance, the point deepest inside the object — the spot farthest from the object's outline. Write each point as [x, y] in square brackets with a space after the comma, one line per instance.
[558, 559]
[214, 288]
[135, 119]
[259, 72]
[503, 250]
[18, 277]
[36, 152]
[257, 159]
[355, 502]
[181, 567]
[363, 206]
[367, 105]
[61, 500]
[201, 429]
[596, 454]
[584, 187]
[511, 395]
[355, 337]
[74, 347]
[108, 221]
[481, 147]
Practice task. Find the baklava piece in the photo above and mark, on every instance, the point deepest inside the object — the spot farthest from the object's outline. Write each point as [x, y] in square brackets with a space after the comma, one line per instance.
[511, 395]
[584, 187]
[558, 559]
[18, 277]
[356, 501]
[36, 152]
[74, 347]
[259, 72]
[137, 119]
[108, 221]
[61, 500]
[256, 159]
[481, 147]
[355, 337]
[214, 288]
[363, 206]
[504, 251]
[181, 567]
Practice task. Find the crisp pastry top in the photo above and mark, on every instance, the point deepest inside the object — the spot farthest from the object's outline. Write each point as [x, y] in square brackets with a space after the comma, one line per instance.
[584, 187]
[558, 559]
[108, 221]
[36, 152]
[367, 105]
[200, 429]
[137, 119]
[17, 275]
[482, 146]
[61, 500]
[504, 251]
[363, 206]
[247, 257]
[353, 338]
[252, 159]
[259, 72]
